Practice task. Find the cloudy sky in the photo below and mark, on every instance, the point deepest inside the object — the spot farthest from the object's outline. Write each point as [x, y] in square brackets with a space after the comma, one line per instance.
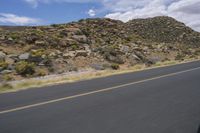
[42, 12]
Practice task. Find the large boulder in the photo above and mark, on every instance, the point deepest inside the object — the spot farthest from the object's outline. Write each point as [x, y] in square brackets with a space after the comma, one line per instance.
[153, 60]
[24, 56]
[134, 57]
[115, 59]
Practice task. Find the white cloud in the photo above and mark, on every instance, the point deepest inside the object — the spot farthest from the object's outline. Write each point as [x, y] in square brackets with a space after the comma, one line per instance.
[187, 11]
[17, 20]
[91, 13]
[154, 8]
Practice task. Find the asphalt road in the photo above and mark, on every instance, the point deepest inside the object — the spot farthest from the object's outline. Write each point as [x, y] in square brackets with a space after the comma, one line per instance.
[162, 100]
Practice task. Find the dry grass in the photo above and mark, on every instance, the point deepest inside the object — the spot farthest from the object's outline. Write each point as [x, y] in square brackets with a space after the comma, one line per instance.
[36, 83]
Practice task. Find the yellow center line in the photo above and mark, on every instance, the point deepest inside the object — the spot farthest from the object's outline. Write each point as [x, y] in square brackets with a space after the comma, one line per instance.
[94, 92]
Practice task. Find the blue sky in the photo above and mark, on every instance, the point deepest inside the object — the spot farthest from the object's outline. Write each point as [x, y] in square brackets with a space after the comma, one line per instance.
[44, 12]
[48, 13]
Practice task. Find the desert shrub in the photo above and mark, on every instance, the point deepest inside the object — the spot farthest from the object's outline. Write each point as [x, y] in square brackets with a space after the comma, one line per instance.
[54, 25]
[7, 77]
[115, 66]
[3, 64]
[47, 61]
[25, 68]
[51, 69]
[74, 46]
[41, 72]
[14, 35]
[6, 86]
[38, 53]
[86, 31]
[197, 52]
[179, 57]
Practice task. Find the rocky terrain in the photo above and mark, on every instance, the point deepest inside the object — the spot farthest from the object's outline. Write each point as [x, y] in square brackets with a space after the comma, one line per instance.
[93, 43]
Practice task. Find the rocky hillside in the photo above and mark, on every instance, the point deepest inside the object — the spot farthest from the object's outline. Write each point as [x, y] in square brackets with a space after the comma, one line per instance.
[93, 43]
[164, 29]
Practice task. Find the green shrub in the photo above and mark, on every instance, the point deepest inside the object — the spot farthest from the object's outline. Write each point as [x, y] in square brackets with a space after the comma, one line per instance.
[3, 64]
[51, 69]
[5, 86]
[25, 68]
[38, 53]
[115, 66]
[41, 72]
[15, 35]
[7, 77]
[179, 57]
[74, 47]
[54, 25]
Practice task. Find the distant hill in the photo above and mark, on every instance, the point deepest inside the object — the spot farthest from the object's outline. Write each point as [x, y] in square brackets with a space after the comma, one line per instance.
[93, 43]
[164, 29]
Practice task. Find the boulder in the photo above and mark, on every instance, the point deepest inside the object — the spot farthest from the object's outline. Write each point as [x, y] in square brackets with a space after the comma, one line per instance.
[36, 59]
[11, 67]
[2, 56]
[39, 42]
[69, 54]
[73, 30]
[98, 66]
[24, 56]
[9, 60]
[153, 60]
[115, 59]
[124, 48]
[81, 53]
[10, 39]
[58, 52]
[87, 48]
[145, 48]
[80, 38]
[2, 37]
[6, 71]
[67, 42]
[134, 57]
[52, 54]
[140, 55]
[31, 38]
[14, 57]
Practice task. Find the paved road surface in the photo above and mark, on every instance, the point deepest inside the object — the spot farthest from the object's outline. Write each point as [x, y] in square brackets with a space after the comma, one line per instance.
[163, 100]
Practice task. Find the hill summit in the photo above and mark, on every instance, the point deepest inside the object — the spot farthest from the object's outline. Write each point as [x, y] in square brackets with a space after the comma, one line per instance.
[99, 44]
